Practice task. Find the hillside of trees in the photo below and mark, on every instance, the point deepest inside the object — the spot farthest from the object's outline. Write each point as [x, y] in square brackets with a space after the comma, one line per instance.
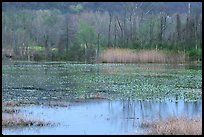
[80, 31]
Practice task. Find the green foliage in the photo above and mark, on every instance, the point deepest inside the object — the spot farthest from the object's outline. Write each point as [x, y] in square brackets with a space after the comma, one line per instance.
[138, 31]
[86, 33]
[194, 54]
[36, 47]
[76, 53]
[50, 20]
[136, 45]
[38, 56]
[87, 39]
[76, 8]
[54, 49]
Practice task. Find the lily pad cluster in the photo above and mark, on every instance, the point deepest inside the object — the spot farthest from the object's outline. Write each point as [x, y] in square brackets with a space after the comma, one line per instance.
[65, 81]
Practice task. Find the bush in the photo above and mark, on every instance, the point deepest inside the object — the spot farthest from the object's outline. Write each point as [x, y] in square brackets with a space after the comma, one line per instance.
[194, 54]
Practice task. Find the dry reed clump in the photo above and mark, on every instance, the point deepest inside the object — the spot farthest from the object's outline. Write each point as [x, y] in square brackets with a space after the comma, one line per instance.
[97, 96]
[175, 126]
[16, 103]
[117, 55]
[12, 117]
[24, 102]
[10, 110]
[11, 120]
[56, 104]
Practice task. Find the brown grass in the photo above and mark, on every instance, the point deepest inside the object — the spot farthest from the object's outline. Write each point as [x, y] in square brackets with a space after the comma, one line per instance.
[12, 117]
[24, 102]
[97, 96]
[16, 103]
[11, 120]
[10, 110]
[175, 126]
[117, 55]
[56, 104]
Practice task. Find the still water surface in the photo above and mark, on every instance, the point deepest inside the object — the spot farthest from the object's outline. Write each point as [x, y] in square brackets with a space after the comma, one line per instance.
[104, 116]
[133, 92]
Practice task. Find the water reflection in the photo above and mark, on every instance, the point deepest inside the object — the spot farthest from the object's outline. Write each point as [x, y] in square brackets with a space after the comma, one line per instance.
[67, 81]
[105, 116]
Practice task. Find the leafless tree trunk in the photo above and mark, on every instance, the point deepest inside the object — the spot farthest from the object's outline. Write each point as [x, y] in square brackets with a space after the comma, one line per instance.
[124, 29]
[98, 43]
[162, 26]
[121, 29]
[151, 26]
[178, 27]
[109, 29]
[115, 34]
[67, 45]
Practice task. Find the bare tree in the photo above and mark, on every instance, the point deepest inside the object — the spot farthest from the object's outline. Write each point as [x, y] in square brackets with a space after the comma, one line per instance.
[109, 28]
[178, 27]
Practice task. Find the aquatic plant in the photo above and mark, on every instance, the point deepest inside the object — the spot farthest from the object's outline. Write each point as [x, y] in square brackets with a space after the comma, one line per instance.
[66, 81]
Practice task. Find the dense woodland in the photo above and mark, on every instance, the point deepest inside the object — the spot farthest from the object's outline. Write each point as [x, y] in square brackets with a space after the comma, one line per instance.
[80, 31]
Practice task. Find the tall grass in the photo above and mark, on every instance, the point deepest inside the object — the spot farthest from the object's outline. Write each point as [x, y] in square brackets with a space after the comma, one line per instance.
[12, 120]
[12, 115]
[175, 126]
[117, 55]
[24, 102]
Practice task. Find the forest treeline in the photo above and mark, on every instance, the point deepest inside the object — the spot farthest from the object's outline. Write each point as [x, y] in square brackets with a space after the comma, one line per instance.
[82, 34]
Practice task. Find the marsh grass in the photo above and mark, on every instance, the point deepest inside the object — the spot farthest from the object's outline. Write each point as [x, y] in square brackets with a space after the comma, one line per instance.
[12, 120]
[10, 110]
[174, 126]
[117, 55]
[17, 103]
[11, 116]
[26, 102]
[94, 96]
[55, 104]
[97, 96]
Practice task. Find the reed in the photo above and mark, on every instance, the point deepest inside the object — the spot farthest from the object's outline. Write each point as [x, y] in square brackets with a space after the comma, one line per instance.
[26, 102]
[118, 55]
[17, 119]
[175, 126]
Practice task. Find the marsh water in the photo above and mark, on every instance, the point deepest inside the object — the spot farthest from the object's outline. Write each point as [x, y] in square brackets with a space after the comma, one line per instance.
[115, 98]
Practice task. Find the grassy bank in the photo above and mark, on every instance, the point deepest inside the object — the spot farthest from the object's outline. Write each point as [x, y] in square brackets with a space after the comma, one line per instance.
[116, 55]
[175, 126]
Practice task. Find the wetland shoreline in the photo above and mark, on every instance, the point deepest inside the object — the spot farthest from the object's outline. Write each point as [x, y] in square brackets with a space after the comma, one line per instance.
[146, 124]
[117, 96]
